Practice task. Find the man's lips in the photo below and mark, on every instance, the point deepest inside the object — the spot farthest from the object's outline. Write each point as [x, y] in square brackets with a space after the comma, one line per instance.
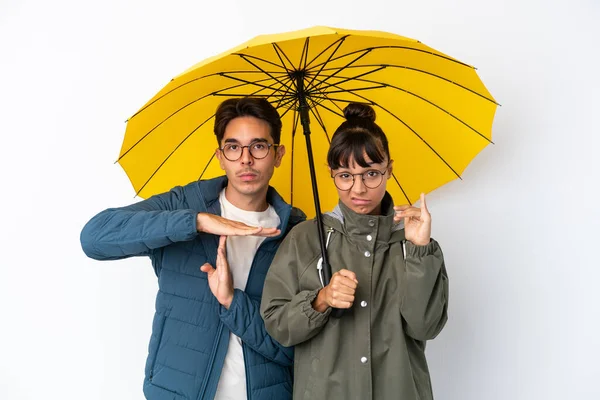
[247, 176]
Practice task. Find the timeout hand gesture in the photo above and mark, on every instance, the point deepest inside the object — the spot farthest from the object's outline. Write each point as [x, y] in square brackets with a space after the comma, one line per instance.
[220, 279]
[218, 225]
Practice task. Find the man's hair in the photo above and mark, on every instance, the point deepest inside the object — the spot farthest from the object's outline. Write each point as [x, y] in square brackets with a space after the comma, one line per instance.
[247, 107]
[356, 137]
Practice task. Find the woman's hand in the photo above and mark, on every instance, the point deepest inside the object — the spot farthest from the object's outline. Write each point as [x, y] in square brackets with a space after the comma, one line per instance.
[417, 222]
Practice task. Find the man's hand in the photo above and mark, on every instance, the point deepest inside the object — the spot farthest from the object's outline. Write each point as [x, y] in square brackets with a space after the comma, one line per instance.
[339, 293]
[220, 280]
[417, 222]
[210, 223]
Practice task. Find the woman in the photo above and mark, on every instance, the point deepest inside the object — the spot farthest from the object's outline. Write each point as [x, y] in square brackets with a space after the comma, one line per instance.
[391, 282]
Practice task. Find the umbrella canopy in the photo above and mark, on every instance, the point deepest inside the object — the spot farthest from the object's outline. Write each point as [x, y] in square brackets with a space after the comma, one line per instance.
[435, 110]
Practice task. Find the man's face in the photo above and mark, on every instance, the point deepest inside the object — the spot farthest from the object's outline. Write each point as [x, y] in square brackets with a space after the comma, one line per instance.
[360, 198]
[248, 177]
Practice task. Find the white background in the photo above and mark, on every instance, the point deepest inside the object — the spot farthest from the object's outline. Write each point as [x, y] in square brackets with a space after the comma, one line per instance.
[520, 232]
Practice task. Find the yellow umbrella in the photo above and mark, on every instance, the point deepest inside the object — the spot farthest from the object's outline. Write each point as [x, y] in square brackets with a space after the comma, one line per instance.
[435, 110]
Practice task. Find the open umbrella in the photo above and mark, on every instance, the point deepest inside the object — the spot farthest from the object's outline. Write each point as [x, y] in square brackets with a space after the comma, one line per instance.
[435, 110]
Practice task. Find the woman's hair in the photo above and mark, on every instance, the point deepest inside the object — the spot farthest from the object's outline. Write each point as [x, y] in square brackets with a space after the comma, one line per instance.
[356, 137]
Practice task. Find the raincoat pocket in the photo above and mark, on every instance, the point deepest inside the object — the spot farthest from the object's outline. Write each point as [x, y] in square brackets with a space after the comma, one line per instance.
[155, 342]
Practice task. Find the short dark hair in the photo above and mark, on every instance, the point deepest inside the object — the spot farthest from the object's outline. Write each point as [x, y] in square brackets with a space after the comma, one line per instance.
[357, 136]
[247, 107]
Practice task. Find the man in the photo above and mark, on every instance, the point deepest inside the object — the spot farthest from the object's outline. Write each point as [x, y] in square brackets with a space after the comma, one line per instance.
[211, 243]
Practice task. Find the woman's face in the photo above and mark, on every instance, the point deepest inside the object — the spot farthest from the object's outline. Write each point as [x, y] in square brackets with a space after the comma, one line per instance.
[363, 197]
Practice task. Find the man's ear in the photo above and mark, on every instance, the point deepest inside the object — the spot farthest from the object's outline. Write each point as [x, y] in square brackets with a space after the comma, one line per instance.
[279, 155]
[219, 156]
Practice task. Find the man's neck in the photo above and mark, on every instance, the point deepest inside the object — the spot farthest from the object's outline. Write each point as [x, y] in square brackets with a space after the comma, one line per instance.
[256, 202]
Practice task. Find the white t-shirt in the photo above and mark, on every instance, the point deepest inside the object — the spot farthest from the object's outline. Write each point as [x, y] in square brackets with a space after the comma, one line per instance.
[240, 254]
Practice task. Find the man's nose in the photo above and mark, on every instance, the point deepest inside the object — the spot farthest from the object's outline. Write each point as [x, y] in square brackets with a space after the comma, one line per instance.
[246, 157]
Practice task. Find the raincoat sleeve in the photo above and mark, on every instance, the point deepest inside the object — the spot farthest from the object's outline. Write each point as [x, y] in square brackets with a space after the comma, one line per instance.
[287, 311]
[425, 302]
[140, 228]
[243, 320]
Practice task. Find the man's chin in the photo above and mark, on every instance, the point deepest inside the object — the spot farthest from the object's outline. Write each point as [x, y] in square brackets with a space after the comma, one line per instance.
[249, 188]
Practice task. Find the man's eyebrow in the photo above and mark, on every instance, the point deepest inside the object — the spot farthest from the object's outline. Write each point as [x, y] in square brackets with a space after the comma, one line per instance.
[259, 140]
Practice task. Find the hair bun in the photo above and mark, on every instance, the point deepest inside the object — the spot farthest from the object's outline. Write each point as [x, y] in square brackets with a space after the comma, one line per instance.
[356, 111]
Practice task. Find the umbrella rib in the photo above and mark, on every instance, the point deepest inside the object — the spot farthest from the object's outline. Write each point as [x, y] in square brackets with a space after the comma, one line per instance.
[187, 105]
[315, 112]
[339, 114]
[434, 105]
[287, 97]
[280, 51]
[340, 42]
[250, 83]
[412, 94]
[187, 83]
[347, 79]
[381, 86]
[281, 97]
[325, 97]
[324, 93]
[273, 93]
[422, 72]
[262, 60]
[401, 188]
[341, 69]
[261, 70]
[173, 152]
[417, 135]
[288, 92]
[401, 48]
[412, 130]
[304, 55]
[206, 166]
[289, 101]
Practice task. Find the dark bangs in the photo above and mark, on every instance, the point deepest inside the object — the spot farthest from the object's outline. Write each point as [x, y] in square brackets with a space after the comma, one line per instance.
[355, 144]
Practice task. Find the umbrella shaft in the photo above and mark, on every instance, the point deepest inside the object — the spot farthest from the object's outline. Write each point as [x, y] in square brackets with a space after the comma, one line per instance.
[313, 177]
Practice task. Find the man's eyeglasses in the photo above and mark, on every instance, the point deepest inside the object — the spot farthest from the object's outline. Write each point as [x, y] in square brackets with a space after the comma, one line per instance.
[258, 150]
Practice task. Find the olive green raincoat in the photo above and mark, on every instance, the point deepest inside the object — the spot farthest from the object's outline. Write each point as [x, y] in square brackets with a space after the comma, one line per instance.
[376, 350]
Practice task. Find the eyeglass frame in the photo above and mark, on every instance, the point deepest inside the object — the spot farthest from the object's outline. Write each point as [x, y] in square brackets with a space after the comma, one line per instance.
[382, 173]
[269, 145]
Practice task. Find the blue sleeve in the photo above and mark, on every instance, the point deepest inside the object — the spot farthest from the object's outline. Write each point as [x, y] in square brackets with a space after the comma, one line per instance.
[243, 320]
[140, 228]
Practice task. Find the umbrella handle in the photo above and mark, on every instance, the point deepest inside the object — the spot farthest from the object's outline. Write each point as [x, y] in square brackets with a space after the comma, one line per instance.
[337, 312]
